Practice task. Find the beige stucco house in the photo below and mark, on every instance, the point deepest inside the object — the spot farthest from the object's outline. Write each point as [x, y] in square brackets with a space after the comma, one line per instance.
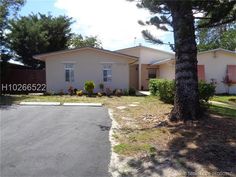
[73, 67]
[131, 67]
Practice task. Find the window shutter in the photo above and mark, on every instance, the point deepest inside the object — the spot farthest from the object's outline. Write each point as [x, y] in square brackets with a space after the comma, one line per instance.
[231, 72]
[201, 72]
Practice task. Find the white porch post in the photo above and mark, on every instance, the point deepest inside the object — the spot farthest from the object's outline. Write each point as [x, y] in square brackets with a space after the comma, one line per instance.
[139, 75]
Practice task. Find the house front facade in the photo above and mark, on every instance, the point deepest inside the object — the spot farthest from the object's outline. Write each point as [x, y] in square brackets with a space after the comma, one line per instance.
[131, 68]
[75, 67]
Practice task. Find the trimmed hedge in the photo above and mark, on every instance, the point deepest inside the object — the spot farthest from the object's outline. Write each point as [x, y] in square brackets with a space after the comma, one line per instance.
[153, 86]
[165, 89]
[206, 91]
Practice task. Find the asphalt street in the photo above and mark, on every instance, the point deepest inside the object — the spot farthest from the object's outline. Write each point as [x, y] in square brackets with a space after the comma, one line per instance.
[54, 141]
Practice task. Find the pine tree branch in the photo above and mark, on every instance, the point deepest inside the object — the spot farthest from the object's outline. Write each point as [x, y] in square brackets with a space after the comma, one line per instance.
[208, 25]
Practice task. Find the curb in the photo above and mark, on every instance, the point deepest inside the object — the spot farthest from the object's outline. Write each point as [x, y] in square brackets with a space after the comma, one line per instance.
[40, 103]
[83, 104]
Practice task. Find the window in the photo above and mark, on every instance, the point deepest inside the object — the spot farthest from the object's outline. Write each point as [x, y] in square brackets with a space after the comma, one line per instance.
[107, 73]
[152, 73]
[69, 72]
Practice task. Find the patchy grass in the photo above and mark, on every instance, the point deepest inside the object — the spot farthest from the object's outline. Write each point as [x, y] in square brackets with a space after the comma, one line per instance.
[152, 143]
[11, 99]
[132, 149]
[139, 142]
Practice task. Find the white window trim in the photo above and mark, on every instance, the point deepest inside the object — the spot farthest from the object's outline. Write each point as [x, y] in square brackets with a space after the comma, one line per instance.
[70, 72]
[108, 75]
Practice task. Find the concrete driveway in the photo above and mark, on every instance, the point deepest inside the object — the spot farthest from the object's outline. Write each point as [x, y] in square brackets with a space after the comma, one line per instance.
[54, 141]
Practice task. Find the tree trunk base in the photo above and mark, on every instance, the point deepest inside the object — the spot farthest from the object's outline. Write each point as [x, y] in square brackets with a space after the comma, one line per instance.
[185, 115]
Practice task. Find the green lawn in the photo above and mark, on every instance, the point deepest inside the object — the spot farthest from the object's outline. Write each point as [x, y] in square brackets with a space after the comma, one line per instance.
[223, 111]
[227, 109]
[225, 99]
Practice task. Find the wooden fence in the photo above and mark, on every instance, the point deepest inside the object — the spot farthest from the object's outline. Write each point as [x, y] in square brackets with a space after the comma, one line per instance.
[23, 81]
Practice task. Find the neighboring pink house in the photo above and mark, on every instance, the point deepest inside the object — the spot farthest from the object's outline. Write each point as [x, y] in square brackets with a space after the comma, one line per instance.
[213, 66]
[131, 67]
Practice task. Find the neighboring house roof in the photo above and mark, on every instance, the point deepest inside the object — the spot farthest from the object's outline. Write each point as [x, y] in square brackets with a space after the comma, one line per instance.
[163, 61]
[45, 55]
[144, 47]
[199, 53]
[216, 50]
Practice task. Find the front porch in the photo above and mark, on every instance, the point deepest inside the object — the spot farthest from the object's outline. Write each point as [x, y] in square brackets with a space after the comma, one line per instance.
[148, 72]
[140, 74]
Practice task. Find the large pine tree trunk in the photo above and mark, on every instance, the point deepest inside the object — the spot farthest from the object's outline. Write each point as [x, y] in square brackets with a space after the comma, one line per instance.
[186, 105]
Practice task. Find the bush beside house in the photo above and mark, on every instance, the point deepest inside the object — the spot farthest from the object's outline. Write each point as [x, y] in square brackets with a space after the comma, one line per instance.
[165, 89]
[89, 87]
[206, 91]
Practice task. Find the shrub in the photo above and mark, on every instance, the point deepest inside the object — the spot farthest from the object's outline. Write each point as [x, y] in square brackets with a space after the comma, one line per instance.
[165, 89]
[118, 92]
[99, 94]
[75, 90]
[89, 87]
[206, 91]
[114, 91]
[79, 92]
[71, 90]
[132, 91]
[153, 88]
[101, 86]
[48, 93]
[60, 92]
[108, 91]
[125, 92]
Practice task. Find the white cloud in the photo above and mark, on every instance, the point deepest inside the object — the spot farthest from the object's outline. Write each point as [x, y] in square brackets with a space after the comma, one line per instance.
[113, 21]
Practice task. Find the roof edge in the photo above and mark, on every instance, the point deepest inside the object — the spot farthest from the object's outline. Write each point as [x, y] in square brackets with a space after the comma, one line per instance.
[217, 49]
[40, 56]
[150, 48]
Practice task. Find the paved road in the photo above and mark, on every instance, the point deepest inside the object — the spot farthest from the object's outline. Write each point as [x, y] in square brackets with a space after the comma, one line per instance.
[54, 141]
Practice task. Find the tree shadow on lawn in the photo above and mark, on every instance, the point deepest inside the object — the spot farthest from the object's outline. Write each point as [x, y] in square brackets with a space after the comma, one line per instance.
[208, 145]
[224, 111]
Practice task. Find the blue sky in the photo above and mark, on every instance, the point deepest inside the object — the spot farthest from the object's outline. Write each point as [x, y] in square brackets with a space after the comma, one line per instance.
[114, 22]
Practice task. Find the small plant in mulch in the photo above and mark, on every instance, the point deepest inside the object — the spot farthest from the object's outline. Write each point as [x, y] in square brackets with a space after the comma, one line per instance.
[61, 92]
[126, 92]
[89, 87]
[71, 90]
[108, 92]
[79, 92]
[118, 92]
[132, 92]
[99, 94]
[101, 87]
